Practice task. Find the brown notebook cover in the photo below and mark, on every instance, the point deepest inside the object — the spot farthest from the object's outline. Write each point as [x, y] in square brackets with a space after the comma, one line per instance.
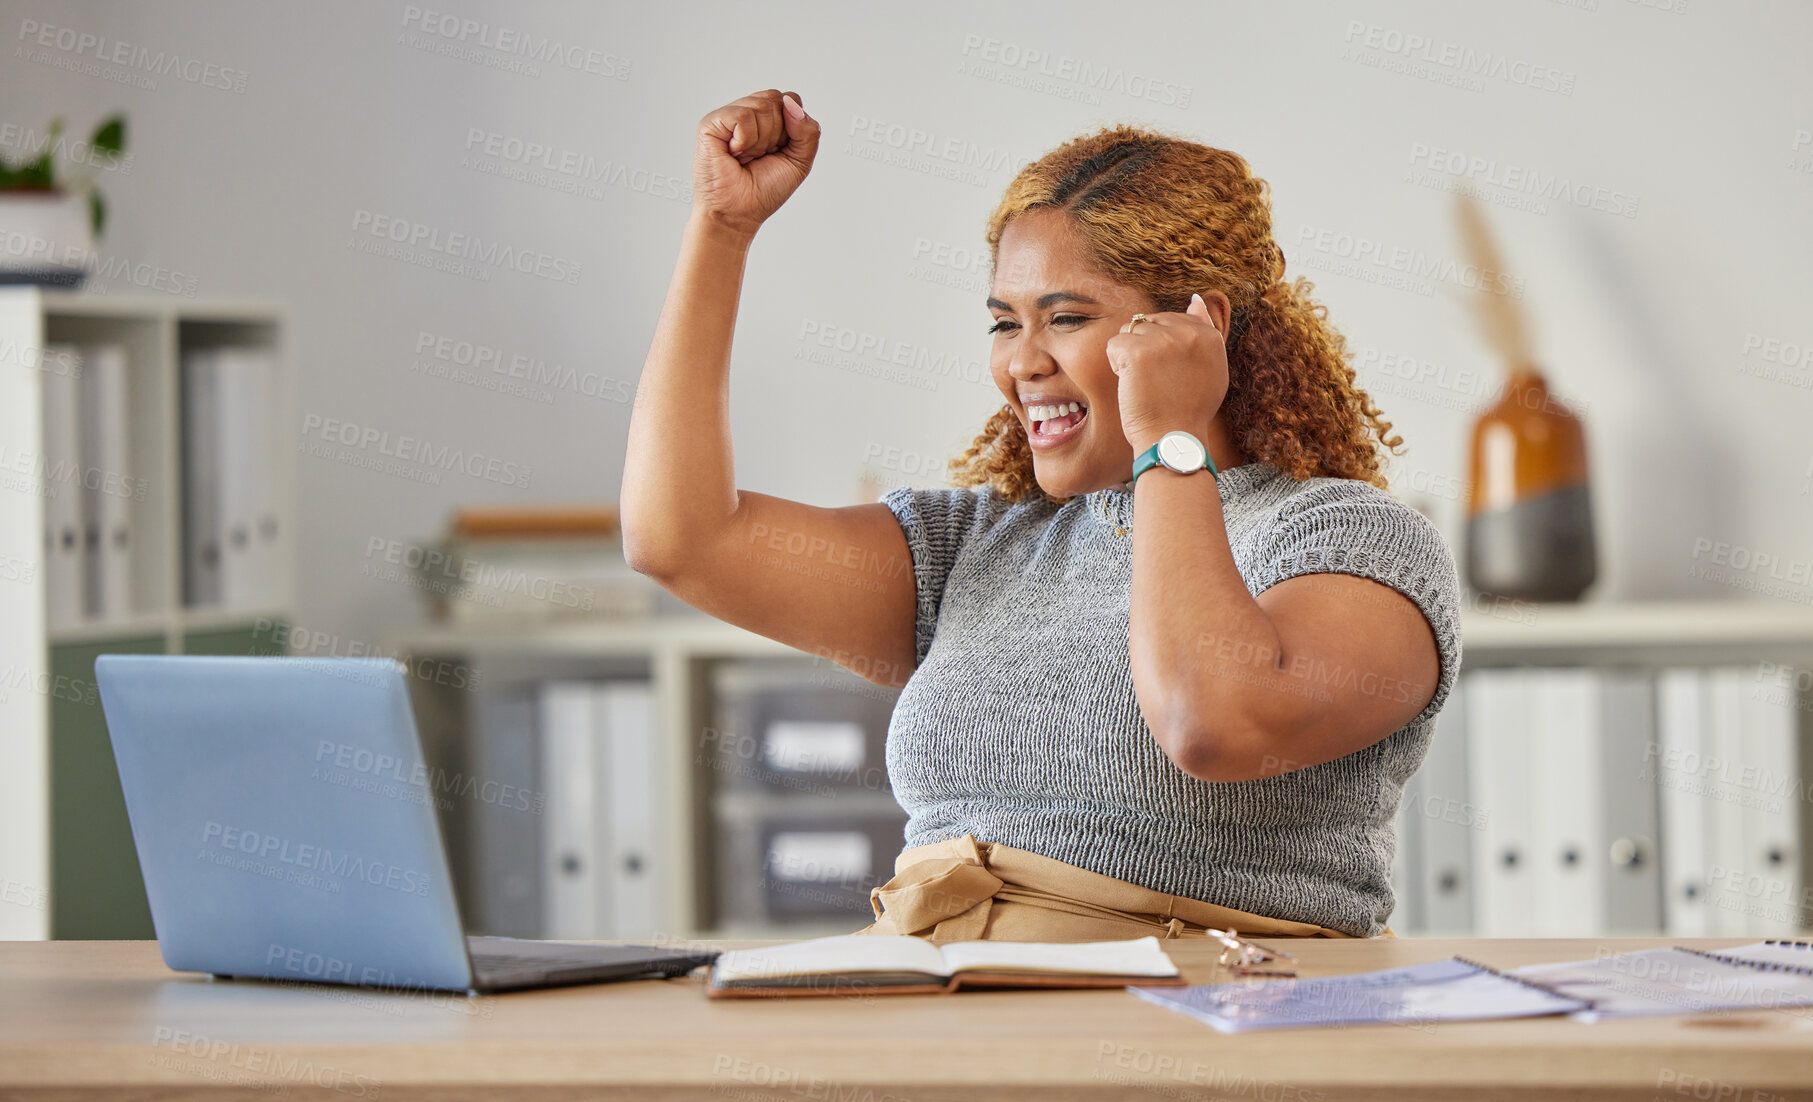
[845, 984]
[526, 522]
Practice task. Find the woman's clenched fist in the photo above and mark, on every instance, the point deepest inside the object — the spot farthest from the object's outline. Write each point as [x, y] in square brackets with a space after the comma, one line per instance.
[751, 155]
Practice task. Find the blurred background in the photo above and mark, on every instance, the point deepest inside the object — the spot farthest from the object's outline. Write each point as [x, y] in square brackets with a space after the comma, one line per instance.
[345, 366]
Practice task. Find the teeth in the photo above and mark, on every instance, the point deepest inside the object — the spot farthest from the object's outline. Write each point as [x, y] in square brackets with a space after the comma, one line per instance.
[1046, 413]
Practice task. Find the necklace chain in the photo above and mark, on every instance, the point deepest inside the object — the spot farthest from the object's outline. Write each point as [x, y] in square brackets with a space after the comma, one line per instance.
[1102, 510]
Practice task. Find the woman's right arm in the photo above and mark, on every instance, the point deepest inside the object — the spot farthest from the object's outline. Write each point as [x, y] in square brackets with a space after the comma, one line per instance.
[833, 582]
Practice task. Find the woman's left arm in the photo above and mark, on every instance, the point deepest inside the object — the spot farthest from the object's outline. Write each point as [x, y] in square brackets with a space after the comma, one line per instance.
[1236, 687]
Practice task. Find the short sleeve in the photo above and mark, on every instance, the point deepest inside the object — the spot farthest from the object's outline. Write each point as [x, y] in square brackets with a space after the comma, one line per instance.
[1345, 526]
[938, 524]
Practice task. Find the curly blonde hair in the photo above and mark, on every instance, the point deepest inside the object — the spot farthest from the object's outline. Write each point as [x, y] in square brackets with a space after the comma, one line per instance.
[1172, 217]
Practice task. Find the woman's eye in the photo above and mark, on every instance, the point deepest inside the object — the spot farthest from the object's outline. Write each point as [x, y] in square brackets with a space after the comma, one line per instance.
[1062, 319]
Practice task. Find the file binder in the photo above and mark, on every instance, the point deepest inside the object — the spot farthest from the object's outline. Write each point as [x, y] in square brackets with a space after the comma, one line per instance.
[1679, 752]
[505, 833]
[604, 864]
[1737, 881]
[567, 719]
[269, 556]
[107, 505]
[1631, 882]
[233, 553]
[1596, 828]
[201, 474]
[238, 438]
[1567, 851]
[1451, 817]
[635, 861]
[1499, 764]
[62, 486]
[244, 388]
[1772, 791]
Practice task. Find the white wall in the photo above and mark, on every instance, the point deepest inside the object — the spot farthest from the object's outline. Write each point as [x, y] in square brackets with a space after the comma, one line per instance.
[24, 672]
[1701, 114]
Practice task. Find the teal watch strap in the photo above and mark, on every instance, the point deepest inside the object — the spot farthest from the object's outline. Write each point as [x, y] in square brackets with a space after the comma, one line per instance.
[1145, 462]
[1149, 459]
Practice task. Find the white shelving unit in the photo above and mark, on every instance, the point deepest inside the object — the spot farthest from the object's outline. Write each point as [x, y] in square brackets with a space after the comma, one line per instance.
[1648, 633]
[24, 712]
[674, 653]
[678, 651]
[1534, 645]
[155, 331]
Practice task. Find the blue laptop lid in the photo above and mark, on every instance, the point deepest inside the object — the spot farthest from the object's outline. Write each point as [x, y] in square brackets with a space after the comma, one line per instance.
[283, 817]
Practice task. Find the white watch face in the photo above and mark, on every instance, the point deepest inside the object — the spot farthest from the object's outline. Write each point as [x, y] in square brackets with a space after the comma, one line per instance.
[1181, 452]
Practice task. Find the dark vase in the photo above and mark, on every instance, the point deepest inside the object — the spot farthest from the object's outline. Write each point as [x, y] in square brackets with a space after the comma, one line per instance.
[1529, 507]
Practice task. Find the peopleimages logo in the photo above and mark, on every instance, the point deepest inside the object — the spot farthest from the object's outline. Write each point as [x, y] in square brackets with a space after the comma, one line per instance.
[511, 42]
[249, 1067]
[78, 150]
[86, 50]
[1523, 179]
[417, 775]
[1031, 62]
[55, 476]
[413, 449]
[521, 367]
[269, 847]
[433, 563]
[1409, 47]
[1366, 252]
[464, 246]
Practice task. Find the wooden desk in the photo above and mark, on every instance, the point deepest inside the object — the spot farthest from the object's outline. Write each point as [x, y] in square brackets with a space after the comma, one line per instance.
[107, 1020]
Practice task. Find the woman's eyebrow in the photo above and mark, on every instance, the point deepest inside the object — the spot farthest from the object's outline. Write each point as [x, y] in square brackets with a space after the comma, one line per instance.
[1048, 299]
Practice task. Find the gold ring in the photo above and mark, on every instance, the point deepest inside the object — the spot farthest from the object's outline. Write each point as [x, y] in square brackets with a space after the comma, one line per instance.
[1137, 318]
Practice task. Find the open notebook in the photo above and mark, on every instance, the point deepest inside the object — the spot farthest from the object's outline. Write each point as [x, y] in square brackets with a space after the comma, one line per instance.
[1673, 980]
[1440, 991]
[881, 965]
[1646, 982]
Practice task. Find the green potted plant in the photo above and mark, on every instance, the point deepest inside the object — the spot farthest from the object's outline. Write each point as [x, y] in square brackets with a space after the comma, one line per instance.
[49, 219]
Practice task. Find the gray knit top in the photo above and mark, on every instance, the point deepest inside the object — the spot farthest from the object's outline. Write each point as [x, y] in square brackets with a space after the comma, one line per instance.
[1020, 724]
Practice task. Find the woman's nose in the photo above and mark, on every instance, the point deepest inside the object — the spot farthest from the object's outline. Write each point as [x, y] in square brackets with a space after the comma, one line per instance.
[1029, 362]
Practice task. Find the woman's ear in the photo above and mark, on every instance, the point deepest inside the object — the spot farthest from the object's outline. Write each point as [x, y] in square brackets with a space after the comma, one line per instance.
[1221, 310]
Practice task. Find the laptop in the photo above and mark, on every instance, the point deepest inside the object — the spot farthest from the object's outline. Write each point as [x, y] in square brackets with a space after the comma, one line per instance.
[285, 824]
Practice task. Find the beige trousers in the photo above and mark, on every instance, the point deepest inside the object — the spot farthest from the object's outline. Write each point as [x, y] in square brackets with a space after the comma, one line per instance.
[962, 889]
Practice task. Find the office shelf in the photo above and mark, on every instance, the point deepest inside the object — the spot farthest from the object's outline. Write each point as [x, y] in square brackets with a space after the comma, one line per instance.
[1637, 633]
[677, 653]
[65, 817]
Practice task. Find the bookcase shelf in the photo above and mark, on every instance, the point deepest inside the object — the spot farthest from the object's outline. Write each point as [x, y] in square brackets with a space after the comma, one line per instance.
[681, 650]
[1611, 631]
[70, 845]
[674, 653]
[1636, 633]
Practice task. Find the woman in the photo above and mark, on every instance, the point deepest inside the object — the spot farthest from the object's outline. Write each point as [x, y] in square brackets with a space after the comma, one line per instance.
[1105, 731]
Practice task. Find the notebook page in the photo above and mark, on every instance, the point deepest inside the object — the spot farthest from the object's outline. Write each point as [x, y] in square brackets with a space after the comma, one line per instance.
[1794, 954]
[1652, 982]
[1443, 990]
[848, 954]
[1135, 957]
